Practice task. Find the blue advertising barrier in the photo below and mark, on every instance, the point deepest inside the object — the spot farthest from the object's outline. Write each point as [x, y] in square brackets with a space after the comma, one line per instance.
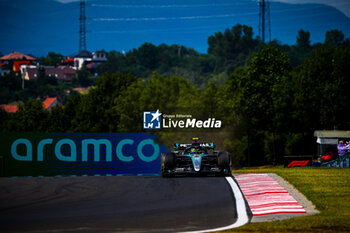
[36, 154]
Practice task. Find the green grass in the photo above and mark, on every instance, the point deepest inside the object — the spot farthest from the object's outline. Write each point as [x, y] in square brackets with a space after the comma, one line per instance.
[327, 188]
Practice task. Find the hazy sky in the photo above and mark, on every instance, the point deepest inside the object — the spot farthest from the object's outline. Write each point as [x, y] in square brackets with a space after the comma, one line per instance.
[111, 25]
[342, 5]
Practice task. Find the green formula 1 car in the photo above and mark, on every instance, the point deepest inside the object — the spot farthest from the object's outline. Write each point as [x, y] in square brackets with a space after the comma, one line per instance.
[195, 159]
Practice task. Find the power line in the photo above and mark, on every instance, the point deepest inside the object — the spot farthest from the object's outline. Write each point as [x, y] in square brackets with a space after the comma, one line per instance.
[172, 5]
[192, 17]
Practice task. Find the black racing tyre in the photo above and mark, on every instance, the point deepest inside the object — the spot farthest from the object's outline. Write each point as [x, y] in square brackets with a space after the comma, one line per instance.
[168, 163]
[224, 161]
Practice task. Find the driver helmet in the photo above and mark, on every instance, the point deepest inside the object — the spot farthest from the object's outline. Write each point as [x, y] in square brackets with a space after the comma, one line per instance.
[194, 151]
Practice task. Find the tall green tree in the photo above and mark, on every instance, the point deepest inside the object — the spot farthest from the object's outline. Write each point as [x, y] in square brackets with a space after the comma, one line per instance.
[233, 47]
[57, 120]
[96, 112]
[334, 37]
[322, 83]
[83, 77]
[256, 94]
[30, 117]
[169, 94]
[303, 40]
[52, 59]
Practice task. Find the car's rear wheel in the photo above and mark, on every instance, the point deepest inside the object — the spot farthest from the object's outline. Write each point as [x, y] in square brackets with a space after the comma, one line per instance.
[168, 163]
[224, 161]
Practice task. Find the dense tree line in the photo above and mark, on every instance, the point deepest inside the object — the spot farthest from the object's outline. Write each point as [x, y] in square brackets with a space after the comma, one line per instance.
[226, 51]
[269, 106]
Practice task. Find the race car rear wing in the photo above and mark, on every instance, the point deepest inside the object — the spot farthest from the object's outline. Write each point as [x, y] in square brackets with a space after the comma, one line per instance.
[183, 146]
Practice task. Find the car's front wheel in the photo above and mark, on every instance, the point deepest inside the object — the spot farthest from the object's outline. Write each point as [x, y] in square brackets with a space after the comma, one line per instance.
[224, 161]
[168, 163]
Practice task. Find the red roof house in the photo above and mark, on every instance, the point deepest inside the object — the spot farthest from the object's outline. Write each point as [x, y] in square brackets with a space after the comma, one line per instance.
[18, 59]
[50, 102]
[9, 108]
[17, 56]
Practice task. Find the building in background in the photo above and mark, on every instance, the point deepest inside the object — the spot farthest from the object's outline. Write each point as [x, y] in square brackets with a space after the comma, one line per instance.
[16, 59]
[50, 102]
[3, 69]
[61, 73]
[9, 108]
[327, 140]
[88, 59]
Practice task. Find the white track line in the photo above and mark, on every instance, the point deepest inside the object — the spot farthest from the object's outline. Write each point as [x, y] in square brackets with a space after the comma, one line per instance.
[242, 216]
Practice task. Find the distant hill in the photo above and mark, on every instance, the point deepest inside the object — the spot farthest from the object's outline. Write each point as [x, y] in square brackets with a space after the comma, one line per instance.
[39, 26]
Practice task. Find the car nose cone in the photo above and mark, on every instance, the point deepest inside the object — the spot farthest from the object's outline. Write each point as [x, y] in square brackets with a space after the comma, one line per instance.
[197, 160]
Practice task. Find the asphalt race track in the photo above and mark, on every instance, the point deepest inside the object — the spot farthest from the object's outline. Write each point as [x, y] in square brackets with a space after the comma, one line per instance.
[112, 204]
